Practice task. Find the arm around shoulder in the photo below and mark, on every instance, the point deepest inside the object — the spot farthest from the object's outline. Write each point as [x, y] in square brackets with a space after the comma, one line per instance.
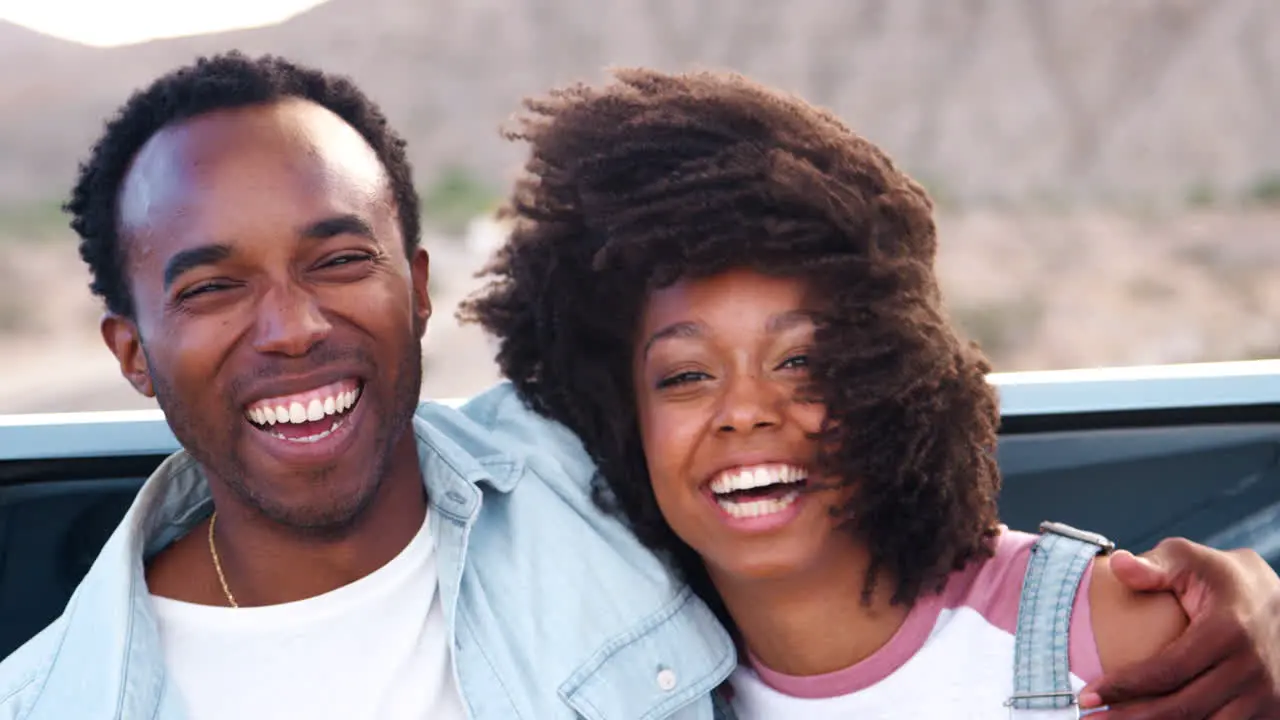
[1130, 626]
[554, 452]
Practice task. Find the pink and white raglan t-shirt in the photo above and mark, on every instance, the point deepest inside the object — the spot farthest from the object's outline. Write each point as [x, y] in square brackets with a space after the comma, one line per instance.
[953, 657]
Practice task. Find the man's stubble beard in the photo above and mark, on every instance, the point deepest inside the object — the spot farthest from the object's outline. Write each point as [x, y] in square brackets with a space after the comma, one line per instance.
[331, 519]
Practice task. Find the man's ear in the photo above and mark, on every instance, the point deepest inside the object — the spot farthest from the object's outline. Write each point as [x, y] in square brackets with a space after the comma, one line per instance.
[125, 342]
[420, 276]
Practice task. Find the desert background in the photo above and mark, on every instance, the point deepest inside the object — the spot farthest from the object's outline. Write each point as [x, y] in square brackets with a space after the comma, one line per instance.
[1107, 172]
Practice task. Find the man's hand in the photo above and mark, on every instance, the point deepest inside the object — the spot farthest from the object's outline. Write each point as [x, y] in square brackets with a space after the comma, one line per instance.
[1226, 666]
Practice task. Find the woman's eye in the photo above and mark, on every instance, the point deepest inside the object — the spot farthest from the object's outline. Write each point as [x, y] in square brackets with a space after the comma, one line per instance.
[682, 378]
[795, 362]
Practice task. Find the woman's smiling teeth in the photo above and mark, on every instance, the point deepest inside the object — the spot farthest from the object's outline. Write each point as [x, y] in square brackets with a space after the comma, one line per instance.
[749, 492]
[299, 417]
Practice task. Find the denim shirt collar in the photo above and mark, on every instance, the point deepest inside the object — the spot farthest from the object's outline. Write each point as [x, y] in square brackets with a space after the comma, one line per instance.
[118, 661]
[109, 653]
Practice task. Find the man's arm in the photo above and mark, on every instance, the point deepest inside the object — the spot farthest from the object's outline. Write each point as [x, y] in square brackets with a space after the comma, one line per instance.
[1226, 666]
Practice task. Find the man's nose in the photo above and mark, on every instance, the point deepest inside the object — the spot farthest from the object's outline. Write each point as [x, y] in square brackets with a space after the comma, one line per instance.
[289, 322]
[750, 403]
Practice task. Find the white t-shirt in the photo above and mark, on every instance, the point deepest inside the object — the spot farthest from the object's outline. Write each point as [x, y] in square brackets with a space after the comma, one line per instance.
[377, 648]
[952, 657]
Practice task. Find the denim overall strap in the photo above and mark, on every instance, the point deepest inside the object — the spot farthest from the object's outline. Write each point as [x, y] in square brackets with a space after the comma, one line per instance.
[1042, 673]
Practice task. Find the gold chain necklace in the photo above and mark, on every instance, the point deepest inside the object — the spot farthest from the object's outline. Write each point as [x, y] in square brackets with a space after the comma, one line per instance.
[217, 563]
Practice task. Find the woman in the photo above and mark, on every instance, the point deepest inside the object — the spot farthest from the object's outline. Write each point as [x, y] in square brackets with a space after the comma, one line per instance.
[731, 299]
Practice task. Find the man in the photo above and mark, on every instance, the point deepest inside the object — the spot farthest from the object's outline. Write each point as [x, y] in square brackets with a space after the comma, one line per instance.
[318, 549]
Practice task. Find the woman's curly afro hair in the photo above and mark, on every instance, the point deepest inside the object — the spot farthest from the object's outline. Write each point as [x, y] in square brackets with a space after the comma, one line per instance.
[658, 177]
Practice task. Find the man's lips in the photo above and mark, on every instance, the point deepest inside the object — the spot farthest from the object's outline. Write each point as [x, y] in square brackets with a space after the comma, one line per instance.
[338, 409]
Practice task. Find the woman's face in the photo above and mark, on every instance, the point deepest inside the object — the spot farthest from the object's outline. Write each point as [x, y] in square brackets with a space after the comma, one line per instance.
[718, 364]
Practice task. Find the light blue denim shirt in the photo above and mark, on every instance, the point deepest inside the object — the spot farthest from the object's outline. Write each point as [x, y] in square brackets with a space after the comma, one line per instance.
[554, 609]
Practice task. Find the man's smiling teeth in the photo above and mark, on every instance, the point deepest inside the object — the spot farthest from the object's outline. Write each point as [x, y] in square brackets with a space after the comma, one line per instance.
[726, 484]
[337, 423]
[311, 406]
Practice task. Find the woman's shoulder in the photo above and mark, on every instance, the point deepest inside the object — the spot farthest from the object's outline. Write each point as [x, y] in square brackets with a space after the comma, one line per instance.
[1111, 625]
[992, 586]
[1130, 626]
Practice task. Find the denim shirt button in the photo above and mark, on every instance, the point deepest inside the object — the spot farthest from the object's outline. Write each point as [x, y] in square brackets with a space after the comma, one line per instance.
[667, 679]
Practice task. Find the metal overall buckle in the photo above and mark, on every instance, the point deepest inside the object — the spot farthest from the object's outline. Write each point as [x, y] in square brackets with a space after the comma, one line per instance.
[1074, 706]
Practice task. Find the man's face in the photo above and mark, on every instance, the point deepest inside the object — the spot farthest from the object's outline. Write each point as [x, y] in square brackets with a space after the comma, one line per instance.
[278, 317]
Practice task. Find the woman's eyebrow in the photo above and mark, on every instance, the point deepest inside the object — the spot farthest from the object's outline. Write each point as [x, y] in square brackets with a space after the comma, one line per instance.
[788, 320]
[675, 330]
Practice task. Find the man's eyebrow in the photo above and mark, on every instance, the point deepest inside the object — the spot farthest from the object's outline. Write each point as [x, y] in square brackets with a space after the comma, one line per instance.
[675, 330]
[788, 320]
[192, 258]
[337, 225]
[195, 257]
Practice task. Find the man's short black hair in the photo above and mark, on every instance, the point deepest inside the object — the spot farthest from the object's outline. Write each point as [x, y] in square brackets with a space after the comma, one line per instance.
[222, 82]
